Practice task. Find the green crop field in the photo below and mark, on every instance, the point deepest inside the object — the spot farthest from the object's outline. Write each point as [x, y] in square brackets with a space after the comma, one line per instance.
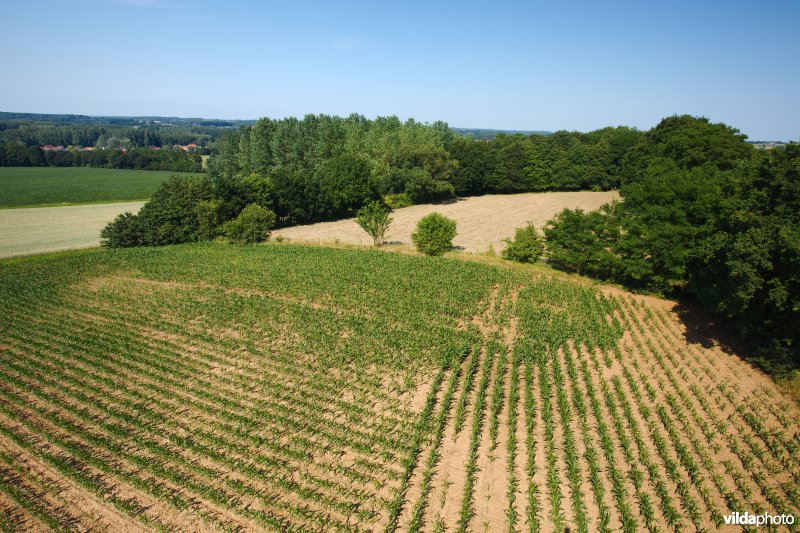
[48, 186]
[286, 387]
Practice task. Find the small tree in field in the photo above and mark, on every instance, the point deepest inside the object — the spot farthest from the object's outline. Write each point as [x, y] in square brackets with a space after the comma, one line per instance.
[374, 219]
[434, 235]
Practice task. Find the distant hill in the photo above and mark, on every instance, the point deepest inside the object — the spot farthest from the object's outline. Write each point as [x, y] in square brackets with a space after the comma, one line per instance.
[485, 134]
[120, 121]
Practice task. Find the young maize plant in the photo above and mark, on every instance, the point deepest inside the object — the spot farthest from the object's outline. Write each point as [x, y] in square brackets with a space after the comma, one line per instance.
[307, 388]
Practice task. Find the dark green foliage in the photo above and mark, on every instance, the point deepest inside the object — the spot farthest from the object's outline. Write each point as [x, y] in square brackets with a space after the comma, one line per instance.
[704, 215]
[261, 189]
[324, 167]
[374, 219]
[526, 246]
[122, 232]
[422, 188]
[17, 154]
[35, 129]
[234, 193]
[687, 142]
[475, 162]
[251, 226]
[746, 267]
[170, 217]
[582, 242]
[345, 183]
[434, 234]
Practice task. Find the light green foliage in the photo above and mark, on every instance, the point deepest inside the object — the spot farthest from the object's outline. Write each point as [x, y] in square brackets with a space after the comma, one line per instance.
[261, 189]
[397, 201]
[207, 212]
[434, 234]
[375, 220]
[251, 226]
[325, 167]
[526, 246]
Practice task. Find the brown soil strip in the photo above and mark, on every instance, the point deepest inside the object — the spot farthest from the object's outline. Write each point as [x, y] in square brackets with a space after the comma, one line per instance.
[748, 383]
[447, 484]
[614, 522]
[17, 518]
[567, 510]
[214, 385]
[520, 495]
[414, 491]
[490, 498]
[245, 363]
[540, 458]
[622, 465]
[590, 505]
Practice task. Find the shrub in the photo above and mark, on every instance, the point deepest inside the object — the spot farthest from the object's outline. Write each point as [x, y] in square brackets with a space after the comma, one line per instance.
[122, 232]
[434, 235]
[252, 225]
[583, 242]
[397, 201]
[170, 217]
[374, 219]
[526, 247]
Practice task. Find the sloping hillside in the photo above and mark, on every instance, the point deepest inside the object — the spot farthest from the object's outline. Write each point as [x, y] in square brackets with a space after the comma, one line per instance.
[297, 387]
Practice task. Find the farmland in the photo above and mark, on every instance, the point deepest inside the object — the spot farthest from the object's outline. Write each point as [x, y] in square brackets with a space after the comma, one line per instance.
[49, 186]
[298, 387]
[483, 221]
[48, 229]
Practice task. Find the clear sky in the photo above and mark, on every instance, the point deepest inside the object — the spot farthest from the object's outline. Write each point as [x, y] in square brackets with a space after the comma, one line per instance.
[489, 64]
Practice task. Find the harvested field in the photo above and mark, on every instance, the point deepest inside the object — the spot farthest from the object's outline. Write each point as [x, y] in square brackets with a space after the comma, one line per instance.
[483, 221]
[297, 387]
[49, 229]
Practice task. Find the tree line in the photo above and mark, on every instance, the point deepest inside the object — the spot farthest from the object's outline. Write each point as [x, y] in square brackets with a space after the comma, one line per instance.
[703, 215]
[322, 167]
[34, 133]
[15, 154]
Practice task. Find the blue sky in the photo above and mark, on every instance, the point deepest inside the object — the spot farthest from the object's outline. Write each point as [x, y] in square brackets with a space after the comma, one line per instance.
[507, 65]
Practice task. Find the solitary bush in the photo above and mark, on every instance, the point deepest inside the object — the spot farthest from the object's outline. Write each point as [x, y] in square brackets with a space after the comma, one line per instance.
[374, 219]
[526, 246]
[434, 235]
[252, 225]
